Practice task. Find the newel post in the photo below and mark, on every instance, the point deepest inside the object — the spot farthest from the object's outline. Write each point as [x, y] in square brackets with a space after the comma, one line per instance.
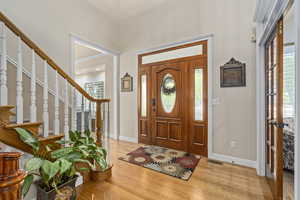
[11, 177]
[98, 122]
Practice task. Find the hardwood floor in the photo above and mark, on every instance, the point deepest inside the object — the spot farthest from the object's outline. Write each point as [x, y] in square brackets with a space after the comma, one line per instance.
[209, 181]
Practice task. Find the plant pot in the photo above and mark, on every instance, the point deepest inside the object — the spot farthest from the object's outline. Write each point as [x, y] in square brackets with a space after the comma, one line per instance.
[67, 191]
[85, 174]
[98, 175]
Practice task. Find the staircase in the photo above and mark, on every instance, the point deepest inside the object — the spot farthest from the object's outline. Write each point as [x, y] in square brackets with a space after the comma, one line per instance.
[64, 93]
[9, 136]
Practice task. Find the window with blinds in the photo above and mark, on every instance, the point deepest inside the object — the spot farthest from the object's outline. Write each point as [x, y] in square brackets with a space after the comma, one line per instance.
[289, 81]
[95, 89]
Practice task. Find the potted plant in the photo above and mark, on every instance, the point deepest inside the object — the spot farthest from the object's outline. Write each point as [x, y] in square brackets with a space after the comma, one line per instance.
[57, 176]
[92, 154]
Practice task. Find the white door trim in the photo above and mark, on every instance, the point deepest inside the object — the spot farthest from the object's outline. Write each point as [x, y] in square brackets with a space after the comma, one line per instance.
[115, 133]
[210, 45]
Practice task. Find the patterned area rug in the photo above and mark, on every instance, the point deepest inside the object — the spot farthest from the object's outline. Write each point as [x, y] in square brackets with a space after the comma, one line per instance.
[168, 161]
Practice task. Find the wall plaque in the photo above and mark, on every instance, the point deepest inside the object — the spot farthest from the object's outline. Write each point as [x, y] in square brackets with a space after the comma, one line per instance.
[233, 74]
[127, 83]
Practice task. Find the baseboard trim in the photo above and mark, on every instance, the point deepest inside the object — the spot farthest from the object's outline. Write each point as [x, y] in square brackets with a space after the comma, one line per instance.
[128, 139]
[234, 160]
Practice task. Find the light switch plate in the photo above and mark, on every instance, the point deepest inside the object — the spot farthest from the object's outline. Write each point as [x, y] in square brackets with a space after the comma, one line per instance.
[216, 101]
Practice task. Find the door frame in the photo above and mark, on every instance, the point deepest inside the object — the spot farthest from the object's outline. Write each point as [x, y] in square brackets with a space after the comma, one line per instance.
[115, 132]
[210, 67]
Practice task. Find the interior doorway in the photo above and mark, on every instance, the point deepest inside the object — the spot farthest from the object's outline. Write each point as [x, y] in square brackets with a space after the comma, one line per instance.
[93, 72]
[173, 98]
[96, 69]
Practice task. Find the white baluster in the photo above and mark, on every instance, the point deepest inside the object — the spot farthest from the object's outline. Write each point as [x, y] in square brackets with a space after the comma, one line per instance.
[45, 100]
[56, 105]
[82, 115]
[66, 129]
[3, 67]
[33, 90]
[19, 92]
[74, 107]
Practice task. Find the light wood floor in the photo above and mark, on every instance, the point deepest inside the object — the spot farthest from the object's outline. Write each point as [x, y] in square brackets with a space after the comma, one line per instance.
[208, 182]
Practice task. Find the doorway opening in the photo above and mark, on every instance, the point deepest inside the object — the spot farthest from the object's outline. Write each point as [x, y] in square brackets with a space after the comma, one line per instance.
[96, 70]
[173, 98]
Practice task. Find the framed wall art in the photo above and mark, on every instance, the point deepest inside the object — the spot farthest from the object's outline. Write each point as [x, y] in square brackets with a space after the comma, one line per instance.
[233, 74]
[127, 83]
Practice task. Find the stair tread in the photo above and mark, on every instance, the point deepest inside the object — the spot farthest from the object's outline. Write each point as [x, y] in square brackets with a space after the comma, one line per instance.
[23, 124]
[7, 107]
[15, 121]
[52, 137]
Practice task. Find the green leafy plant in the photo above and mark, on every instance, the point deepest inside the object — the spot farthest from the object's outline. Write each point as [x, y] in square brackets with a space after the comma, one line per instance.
[81, 148]
[52, 173]
[84, 150]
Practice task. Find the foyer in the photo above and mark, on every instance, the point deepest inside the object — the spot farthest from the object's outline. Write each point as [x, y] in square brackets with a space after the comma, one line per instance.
[139, 99]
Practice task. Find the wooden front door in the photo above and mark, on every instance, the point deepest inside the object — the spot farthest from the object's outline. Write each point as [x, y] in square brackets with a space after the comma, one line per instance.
[274, 111]
[168, 120]
[173, 101]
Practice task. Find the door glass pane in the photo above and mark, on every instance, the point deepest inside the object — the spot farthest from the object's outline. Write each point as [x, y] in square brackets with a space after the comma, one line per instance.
[168, 93]
[198, 94]
[169, 55]
[144, 96]
[289, 82]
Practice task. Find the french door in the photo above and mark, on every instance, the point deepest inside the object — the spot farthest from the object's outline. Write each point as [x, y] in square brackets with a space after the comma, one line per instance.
[274, 111]
[173, 102]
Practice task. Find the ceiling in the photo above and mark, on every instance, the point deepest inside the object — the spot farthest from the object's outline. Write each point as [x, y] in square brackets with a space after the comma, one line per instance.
[88, 60]
[82, 52]
[120, 9]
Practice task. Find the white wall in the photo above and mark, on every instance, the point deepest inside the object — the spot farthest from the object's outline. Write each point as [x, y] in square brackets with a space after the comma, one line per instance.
[231, 23]
[49, 24]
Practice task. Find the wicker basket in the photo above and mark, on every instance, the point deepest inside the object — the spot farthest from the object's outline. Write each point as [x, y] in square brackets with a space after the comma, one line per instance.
[98, 175]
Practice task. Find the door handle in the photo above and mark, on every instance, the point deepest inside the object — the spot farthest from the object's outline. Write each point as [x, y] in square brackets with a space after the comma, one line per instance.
[278, 125]
[281, 125]
[153, 104]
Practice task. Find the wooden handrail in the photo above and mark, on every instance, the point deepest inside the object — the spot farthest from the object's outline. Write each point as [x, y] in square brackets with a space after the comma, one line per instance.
[44, 56]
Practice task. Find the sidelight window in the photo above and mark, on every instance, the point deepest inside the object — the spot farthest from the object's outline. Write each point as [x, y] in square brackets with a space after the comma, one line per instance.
[144, 96]
[198, 94]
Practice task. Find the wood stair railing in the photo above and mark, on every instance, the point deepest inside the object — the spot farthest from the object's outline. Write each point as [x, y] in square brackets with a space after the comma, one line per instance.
[7, 132]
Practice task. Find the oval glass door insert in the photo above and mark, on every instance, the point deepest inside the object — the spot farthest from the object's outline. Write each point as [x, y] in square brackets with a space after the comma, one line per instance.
[168, 93]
